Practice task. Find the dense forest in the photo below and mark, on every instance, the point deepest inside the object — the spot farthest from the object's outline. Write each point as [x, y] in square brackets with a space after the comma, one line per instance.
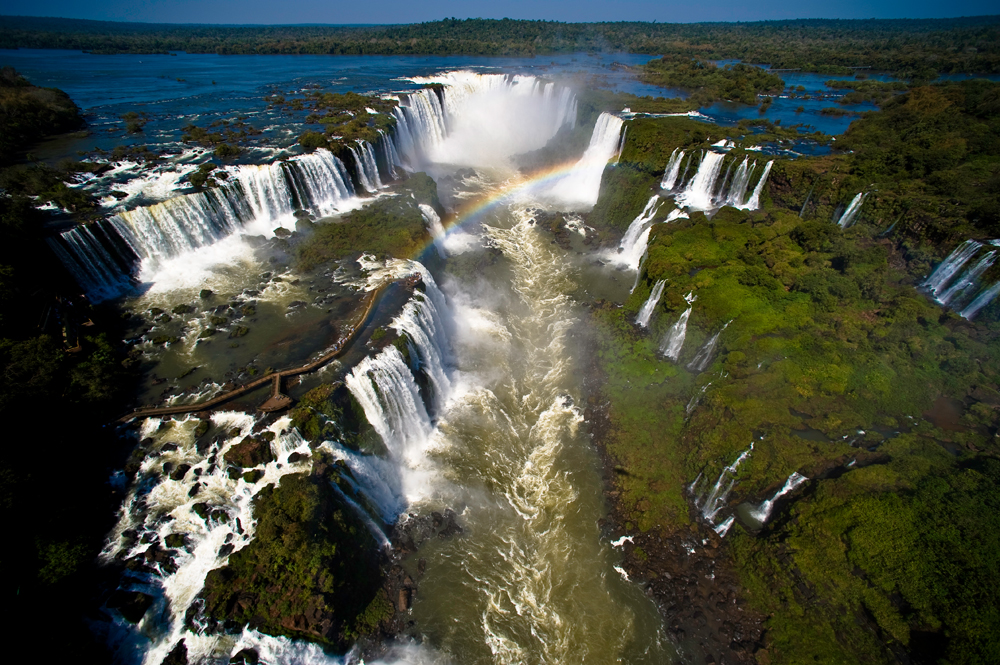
[907, 47]
[827, 357]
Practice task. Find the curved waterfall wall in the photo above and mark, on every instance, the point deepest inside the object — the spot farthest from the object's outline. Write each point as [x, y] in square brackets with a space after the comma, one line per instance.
[432, 125]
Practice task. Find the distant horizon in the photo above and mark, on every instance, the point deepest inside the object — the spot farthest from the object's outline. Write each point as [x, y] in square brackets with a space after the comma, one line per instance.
[445, 18]
[322, 13]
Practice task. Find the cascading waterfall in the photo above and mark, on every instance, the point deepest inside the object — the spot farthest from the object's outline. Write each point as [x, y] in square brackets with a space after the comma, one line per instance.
[434, 225]
[580, 188]
[762, 512]
[252, 196]
[698, 195]
[852, 210]
[633, 243]
[367, 167]
[964, 285]
[422, 321]
[738, 187]
[480, 118]
[388, 149]
[385, 388]
[754, 202]
[673, 342]
[984, 298]
[717, 496]
[162, 502]
[646, 311]
[673, 170]
[951, 265]
[704, 355]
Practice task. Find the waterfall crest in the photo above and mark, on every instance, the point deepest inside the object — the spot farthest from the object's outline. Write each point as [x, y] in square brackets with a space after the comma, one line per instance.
[763, 512]
[579, 189]
[105, 256]
[478, 119]
[705, 192]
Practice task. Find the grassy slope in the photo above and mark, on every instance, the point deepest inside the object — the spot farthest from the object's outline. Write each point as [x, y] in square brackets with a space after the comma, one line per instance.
[827, 333]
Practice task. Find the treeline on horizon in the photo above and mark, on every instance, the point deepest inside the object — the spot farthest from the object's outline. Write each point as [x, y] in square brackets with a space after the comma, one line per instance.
[911, 48]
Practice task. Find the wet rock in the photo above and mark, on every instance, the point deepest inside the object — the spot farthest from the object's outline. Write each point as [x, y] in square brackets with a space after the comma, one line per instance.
[297, 304]
[175, 540]
[295, 457]
[201, 510]
[282, 232]
[253, 476]
[169, 447]
[194, 488]
[226, 550]
[180, 472]
[250, 452]
[245, 657]
[177, 655]
[132, 605]
[182, 309]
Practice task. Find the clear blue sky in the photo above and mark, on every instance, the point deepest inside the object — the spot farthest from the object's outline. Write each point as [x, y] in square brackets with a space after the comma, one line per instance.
[413, 11]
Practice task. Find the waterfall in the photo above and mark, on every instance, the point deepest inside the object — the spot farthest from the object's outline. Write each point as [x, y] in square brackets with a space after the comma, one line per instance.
[435, 227]
[420, 125]
[698, 194]
[385, 388]
[951, 265]
[693, 402]
[646, 311]
[367, 167]
[754, 202]
[852, 210]
[674, 340]
[738, 188]
[481, 119]
[704, 355]
[388, 149]
[981, 300]
[163, 502]
[762, 512]
[673, 169]
[258, 196]
[716, 498]
[633, 244]
[422, 321]
[580, 188]
[965, 284]
[102, 271]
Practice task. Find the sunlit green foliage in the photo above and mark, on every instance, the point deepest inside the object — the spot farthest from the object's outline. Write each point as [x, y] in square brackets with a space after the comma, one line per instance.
[709, 83]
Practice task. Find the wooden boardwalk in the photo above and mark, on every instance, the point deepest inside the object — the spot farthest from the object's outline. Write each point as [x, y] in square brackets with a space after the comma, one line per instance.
[277, 399]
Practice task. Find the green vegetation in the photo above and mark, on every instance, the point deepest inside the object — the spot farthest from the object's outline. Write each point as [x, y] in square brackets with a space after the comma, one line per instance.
[310, 572]
[709, 83]
[832, 357]
[29, 113]
[909, 48]
[391, 226]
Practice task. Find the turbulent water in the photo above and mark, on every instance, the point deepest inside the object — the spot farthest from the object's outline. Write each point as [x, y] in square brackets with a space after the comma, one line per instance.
[481, 416]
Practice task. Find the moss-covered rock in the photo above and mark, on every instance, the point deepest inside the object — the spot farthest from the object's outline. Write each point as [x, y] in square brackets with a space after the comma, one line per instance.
[312, 571]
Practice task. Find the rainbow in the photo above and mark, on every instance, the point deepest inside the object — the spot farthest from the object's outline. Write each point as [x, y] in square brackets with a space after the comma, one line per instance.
[475, 210]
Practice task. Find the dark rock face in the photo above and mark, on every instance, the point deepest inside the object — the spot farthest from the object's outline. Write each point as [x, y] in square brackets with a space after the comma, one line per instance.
[131, 604]
[250, 452]
[412, 531]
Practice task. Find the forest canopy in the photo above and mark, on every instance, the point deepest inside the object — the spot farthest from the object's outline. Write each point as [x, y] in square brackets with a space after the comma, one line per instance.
[912, 48]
